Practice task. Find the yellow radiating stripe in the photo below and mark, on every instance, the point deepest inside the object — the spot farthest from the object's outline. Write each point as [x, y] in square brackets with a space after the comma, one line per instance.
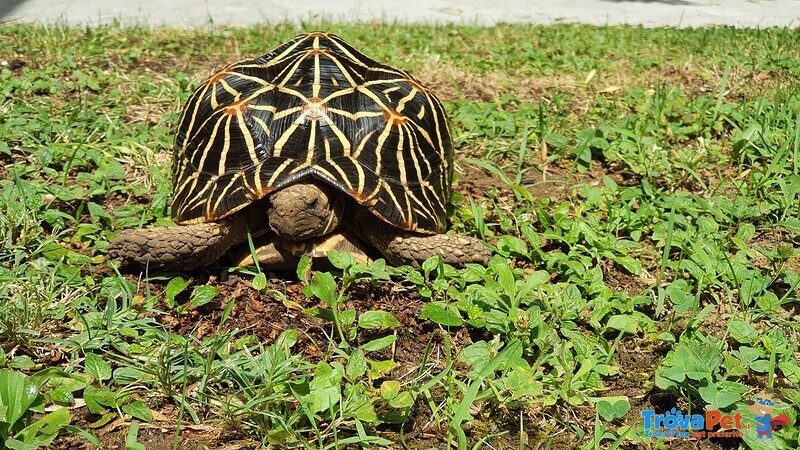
[286, 112]
[381, 139]
[292, 92]
[388, 82]
[409, 216]
[360, 171]
[278, 171]
[401, 162]
[327, 144]
[197, 97]
[357, 115]
[346, 144]
[362, 144]
[184, 181]
[269, 108]
[350, 56]
[330, 175]
[436, 105]
[402, 103]
[344, 71]
[250, 78]
[289, 51]
[312, 143]
[230, 90]
[375, 97]
[417, 152]
[285, 136]
[315, 87]
[261, 123]
[427, 136]
[291, 71]
[441, 201]
[202, 163]
[197, 199]
[261, 91]
[214, 102]
[342, 175]
[248, 138]
[257, 178]
[394, 199]
[287, 66]
[425, 211]
[221, 196]
[223, 156]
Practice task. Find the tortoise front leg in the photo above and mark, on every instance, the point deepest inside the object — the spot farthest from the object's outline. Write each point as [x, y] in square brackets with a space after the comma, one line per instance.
[406, 247]
[177, 248]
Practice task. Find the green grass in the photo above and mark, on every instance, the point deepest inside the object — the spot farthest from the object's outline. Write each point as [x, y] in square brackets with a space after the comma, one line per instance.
[639, 188]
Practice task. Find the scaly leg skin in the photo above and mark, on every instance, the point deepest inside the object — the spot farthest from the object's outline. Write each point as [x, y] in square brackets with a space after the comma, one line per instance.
[181, 247]
[406, 247]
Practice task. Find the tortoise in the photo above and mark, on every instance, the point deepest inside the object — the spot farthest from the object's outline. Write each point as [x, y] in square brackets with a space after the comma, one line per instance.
[311, 147]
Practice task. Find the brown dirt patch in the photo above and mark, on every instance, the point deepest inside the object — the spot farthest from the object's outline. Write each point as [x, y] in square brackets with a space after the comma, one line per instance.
[453, 84]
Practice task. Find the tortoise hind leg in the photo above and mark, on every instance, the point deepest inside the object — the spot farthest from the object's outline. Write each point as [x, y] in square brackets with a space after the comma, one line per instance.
[176, 248]
[406, 247]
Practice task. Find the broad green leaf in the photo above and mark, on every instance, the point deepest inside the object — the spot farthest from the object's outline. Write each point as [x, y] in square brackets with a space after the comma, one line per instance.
[678, 292]
[390, 389]
[623, 323]
[260, 281]
[379, 344]
[323, 399]
[512, 246]
[326, 375]
[138, 410]
[22, 362]
[304, 268]
[323, 287]
[377, 320]
[98, 400]
[17, 394]
[697, 361]
[42, 432]
[132, 439]
[340, 259]
[356, 364]
[202, 295]
[476, 355]
[61, 395]
[611, 410]
[347, 316]
[97, 367]
[441, 313]
[402, 400]
[742, 331]
[630, 264]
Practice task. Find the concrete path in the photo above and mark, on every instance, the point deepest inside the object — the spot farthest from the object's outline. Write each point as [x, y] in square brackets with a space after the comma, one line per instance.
[675, 13]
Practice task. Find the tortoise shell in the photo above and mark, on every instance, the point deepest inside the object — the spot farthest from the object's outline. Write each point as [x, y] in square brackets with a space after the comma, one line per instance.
[314, 107]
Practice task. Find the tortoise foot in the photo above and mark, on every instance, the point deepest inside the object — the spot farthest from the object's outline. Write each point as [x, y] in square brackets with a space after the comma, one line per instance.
[173, 248]
[408, 248]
